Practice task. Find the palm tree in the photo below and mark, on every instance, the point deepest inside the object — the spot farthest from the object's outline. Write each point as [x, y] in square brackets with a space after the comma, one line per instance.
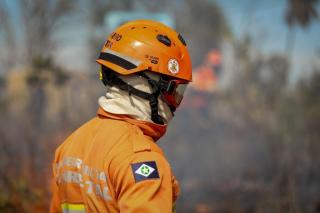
[299, 13]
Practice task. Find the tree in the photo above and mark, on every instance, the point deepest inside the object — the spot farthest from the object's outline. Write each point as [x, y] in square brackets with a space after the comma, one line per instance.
[37, 23]
[298, 13]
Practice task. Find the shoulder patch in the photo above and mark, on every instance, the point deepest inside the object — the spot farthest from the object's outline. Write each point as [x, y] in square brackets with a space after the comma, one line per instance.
[144, 171]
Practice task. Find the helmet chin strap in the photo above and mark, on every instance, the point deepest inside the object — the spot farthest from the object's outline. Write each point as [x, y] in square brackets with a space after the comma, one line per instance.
[109, 78]
[153, 99]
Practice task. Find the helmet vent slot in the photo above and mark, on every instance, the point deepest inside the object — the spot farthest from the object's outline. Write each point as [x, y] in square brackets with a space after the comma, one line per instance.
[182, 40]
[164, 40]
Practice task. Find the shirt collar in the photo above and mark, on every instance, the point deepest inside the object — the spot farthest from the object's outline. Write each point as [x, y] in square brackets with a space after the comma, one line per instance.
[153, 130]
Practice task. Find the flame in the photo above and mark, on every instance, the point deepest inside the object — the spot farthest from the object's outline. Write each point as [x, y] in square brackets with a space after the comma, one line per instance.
[205, 77]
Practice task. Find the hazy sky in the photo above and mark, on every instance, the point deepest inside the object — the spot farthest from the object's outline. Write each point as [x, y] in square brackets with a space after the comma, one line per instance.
[263, 19]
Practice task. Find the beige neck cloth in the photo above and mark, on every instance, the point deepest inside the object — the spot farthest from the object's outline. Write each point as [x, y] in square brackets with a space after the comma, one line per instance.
[117, 101]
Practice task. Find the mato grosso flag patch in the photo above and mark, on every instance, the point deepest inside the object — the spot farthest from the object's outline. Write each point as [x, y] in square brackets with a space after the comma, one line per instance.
[145, 171]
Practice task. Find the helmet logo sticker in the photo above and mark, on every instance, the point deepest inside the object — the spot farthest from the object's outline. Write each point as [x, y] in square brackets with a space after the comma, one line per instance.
[173, 66]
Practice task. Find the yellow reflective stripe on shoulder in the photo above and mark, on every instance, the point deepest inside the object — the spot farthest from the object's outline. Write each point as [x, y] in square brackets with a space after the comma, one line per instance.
[73, 208]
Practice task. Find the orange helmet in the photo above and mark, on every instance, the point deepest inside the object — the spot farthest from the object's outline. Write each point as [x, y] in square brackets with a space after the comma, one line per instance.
[147, 45]
[144, 45]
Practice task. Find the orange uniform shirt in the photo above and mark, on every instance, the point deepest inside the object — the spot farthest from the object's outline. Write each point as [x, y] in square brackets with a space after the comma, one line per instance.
[112, 164]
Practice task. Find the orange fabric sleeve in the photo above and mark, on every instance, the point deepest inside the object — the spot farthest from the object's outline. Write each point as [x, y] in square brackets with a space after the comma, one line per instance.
[142, 183]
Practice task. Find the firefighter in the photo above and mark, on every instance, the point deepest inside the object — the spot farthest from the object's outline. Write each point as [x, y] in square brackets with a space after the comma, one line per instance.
[112, 163]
